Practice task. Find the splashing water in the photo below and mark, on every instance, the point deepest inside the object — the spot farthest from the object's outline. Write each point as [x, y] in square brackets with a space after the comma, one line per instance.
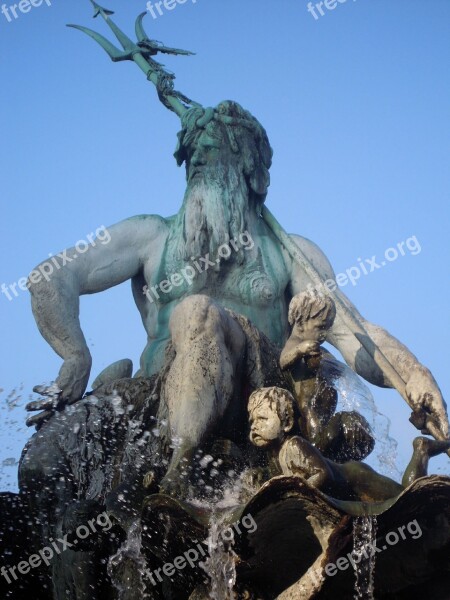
[127, 567]
[355, 395]
[364, 536]
[220, 566]
[14, 432]
[14, 397]
[220, 497]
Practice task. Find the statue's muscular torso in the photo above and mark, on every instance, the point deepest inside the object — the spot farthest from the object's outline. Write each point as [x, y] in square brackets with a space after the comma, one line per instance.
[135, 250]
[258, 289]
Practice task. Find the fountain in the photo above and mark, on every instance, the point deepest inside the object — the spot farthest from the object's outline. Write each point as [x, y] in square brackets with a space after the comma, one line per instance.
[231, 465]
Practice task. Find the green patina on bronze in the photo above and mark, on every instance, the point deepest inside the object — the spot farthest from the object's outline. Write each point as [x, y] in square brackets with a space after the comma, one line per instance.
[180, 425]
[141, 53]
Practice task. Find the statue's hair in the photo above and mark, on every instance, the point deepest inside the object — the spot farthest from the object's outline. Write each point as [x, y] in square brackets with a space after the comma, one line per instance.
[278, 399]
[245, 135]
[312, 304]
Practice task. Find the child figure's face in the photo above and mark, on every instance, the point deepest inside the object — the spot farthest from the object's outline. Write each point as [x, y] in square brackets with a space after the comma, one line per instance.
[265, 425]
[304, 340]
[314, 330]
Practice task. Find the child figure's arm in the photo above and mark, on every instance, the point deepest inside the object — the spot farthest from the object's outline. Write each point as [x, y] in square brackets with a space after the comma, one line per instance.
[299, 458]
[311, 315]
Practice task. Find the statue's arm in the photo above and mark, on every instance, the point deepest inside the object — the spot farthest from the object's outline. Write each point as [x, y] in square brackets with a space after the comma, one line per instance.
[421, 387]
[55, 299]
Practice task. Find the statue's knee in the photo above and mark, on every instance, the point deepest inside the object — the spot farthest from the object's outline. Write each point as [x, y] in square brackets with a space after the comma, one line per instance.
[193, 315]
[197, 304]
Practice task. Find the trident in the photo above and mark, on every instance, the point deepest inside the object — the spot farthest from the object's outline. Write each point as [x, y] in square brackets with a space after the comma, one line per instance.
[141, 54]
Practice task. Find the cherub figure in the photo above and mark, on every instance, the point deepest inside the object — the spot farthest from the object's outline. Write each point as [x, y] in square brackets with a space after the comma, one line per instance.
[272, 420]
[310, 368]
[311, 316]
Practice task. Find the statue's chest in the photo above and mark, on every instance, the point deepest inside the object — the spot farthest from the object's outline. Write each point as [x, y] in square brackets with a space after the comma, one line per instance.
[259, 280]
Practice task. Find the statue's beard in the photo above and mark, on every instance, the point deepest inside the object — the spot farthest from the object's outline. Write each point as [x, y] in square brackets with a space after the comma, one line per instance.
[213, 213]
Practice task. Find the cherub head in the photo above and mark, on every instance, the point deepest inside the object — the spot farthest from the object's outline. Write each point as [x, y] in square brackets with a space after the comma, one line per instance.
[271, 414]
[311, 315]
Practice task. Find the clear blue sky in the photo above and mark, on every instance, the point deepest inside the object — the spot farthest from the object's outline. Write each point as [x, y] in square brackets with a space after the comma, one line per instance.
[356, 107]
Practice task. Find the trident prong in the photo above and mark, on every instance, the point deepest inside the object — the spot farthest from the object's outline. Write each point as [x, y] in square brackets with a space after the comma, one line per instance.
[124, 40]
[115, 54]
[99, 10]
[140, 31]
[153, 46]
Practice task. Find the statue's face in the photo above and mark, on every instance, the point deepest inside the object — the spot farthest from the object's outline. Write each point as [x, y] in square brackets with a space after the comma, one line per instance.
[211, 151]
[265, 425]
[216, 201]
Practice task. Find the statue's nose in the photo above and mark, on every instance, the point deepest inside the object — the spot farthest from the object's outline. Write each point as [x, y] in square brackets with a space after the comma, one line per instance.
[198, 159]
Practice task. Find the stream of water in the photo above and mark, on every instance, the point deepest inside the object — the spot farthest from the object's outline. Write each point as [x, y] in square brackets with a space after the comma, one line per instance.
[127, 567]
[364, 536]
[353, 394]
[220, 566]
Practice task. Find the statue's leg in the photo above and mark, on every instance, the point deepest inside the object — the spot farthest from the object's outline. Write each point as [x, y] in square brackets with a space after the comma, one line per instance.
[209, 346]
[424, 449]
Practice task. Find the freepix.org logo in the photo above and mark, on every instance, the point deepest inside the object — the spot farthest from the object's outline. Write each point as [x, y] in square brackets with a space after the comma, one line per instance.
[55, 547]
[24, 6]
[156, 9]
[202, 264]
[194, 555]
[46, 269]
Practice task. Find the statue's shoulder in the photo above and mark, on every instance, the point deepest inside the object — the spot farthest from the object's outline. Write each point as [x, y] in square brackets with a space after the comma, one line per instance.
[148, 225]
[314, 254]
[150, 220]
[141, 235]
